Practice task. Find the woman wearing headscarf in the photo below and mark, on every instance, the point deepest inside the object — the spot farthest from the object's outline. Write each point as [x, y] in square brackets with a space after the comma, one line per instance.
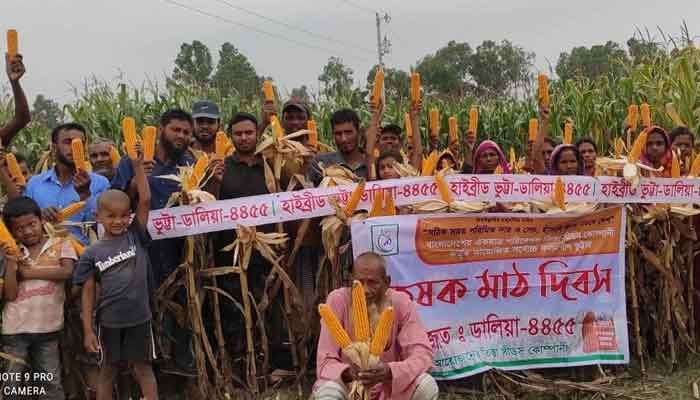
[487, 157]
[657, 151]
[565, 160]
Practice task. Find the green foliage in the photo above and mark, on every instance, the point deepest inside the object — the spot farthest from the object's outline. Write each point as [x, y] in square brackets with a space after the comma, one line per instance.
[193, 64]
[235, 74]
[592, 63]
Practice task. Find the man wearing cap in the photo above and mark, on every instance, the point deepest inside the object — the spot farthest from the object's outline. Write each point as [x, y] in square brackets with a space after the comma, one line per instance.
[207, 121]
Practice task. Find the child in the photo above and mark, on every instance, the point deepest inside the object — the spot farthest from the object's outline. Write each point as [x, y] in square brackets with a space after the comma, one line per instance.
[34, 293]
[120, 263]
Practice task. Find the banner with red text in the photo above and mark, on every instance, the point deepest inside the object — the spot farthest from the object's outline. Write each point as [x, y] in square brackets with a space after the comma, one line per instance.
[509, 291]
[311, 203]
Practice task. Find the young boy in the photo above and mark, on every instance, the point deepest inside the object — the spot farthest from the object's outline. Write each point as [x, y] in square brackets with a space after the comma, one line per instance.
[34, 293]
[120, 263]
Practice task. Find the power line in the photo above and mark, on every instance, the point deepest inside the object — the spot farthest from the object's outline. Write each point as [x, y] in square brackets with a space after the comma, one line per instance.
[260, 31]
[359, 6]
[293, 27]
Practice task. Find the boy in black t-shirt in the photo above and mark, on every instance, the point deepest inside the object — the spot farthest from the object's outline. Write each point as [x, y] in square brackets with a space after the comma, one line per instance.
[120, 263]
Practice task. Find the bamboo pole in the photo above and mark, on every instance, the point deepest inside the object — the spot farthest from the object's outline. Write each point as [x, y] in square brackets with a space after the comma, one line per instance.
[635, 302]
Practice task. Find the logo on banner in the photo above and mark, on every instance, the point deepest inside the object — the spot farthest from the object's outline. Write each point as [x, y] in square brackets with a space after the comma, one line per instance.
[385, 239]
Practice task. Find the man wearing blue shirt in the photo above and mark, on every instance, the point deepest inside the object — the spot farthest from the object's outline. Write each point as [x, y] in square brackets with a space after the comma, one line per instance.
[63, 185]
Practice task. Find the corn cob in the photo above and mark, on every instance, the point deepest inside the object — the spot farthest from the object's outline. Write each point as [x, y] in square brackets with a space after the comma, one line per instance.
[533, 127]
[6, 237]
[77, 246]
[645, 113]
[313, 132]
[277, 130]
[453, 132]
[221, 144]
[377, 204]
[429, 164]
[129, 131]
[70, 210]
[149, 142]
[354, 199]
[434, 118]
[200, 167]
[378, 88]
[559, 194]
[673, 114]
[512, 158]
[12, 43]
[695, 167]
[498, 170]
[633, 117]
[79, 154]
[360, 318]
[268, 91]
[341, 337]
[473, 120]
[408, 127]
[415, 88]
[382, 332]
[114, 155]
[619, 147]
[389, 206]
[543, 90]
[568, 133]
[675, 166]
[638, 147]
[443, 189]
[14, 169]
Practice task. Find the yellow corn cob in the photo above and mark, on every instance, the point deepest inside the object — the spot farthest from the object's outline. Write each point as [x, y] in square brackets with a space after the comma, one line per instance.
[638, 147]
[114, 155]
[129, 131]
[533, 127]
[673, 114]
[376, 209]
[407, 126]
[695, 167]
[512, 158]
[443, 189]
[619, 147]
[6, 237]
[559, 194]
[389, 206]
[633, 117]
[200, 167]
[220, 144]
[452, 122]
[415, 88]
[149, 142]
[341, 337]
[645, 113]
[277, 130]
[14, 169]
[382, 332]
[268, 91]
[429, 164]
[498, 170]
[543, 90]
[360, 318]
[434, 118]
[378, 88]
[77, 246]
[473, 120]
[12, 42]
[313, 132]
[230, 148]
[71, 210]
[79, 154]
[675, 167]
[354, 199]
[568, 133]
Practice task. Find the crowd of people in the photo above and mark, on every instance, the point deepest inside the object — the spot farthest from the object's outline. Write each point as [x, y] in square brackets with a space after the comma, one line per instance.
[118, 272]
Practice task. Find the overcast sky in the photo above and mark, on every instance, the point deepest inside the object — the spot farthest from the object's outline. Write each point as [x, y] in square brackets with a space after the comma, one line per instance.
[65, 41]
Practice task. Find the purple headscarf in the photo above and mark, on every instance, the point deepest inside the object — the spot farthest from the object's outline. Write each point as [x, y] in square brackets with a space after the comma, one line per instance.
[490, 145]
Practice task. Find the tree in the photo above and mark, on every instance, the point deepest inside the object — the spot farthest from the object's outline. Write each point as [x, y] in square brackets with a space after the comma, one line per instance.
[642, 51]
[234, 73]
[591, 63]
[497, 68]
[46, 112]
[193, 65]
[397, 83]
[336, 78]
[446, 71]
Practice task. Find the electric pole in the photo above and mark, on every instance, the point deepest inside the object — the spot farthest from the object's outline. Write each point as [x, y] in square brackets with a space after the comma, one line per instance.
[383, 46]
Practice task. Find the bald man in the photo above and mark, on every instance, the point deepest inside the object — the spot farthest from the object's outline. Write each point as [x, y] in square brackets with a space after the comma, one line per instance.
[402, 371]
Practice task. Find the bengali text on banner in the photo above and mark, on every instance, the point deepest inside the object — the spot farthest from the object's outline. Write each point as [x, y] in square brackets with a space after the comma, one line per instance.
[311, 203]
[509, 291]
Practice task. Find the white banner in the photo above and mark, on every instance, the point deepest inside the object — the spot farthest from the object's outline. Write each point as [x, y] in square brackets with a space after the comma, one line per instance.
[310, 203]
[509, 291]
